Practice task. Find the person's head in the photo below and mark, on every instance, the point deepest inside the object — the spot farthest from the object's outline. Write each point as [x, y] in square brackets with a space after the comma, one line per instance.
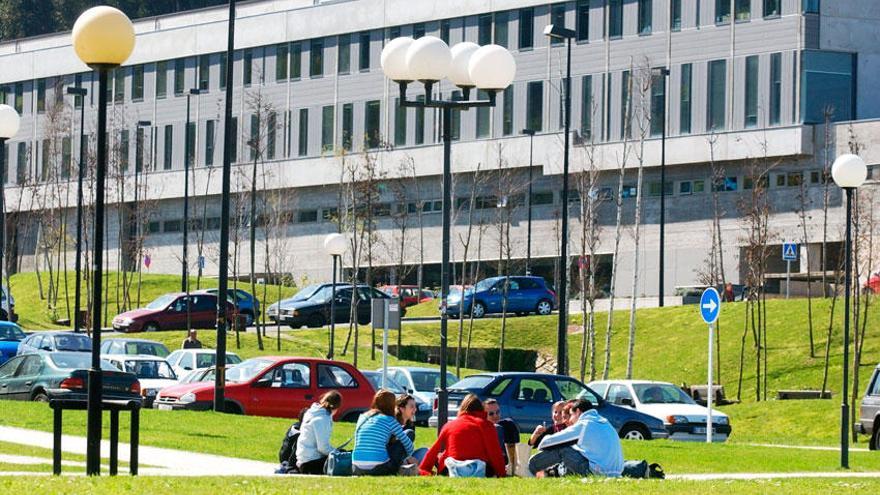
[558, 410]
[406, 408]
[192, 334]
[493, 410]
[384, 402]
[578, 407]
[566, 411]
[470, 404]
[331, 400]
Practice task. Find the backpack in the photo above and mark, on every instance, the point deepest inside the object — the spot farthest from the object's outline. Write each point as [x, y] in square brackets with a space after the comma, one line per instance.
[641, 469]
[287, 453]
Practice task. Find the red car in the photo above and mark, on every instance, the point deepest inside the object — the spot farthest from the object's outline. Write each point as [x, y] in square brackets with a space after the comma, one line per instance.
[276, 386]
[873, 283]
[408, 294]
[169, 312]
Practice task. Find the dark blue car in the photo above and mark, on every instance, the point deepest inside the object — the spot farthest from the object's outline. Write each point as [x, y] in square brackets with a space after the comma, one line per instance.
[524, 295]
[10, 336]
[247, 305]
[528, 397]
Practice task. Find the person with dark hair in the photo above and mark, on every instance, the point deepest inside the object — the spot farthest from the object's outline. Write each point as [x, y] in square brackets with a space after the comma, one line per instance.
[468, 445]
[374, 453]
[508, 432]
[314, 446]
[406, 416]
[590, 446]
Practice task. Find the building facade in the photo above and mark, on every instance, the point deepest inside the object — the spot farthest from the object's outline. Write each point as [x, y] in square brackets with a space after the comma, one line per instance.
[774, 86]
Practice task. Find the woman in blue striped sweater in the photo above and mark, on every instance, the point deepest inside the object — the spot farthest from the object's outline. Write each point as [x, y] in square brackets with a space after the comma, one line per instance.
[376, 429]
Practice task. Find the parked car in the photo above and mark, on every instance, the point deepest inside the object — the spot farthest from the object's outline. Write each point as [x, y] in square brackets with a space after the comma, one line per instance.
[872, 285]
[10, 337]
[524, 295]
[55, 341]
[528, 397]
[423, 409]
[314, 311]
[683, 418]
[691, 294]
[7, 306]
[134, 347]
[33, 376]
[869, 412]
[277, 386]
[246, 304]
[199, 375]
[169, 312]
[420, 382]
[408, 294]
[183, 360]
[154, 373]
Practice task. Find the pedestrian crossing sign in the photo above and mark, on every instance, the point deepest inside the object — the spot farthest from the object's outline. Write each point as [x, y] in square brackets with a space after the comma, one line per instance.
[789, 251]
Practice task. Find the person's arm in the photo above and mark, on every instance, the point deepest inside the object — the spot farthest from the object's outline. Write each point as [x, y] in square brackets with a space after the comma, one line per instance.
[493, 449]
[566, 436]
[429, 463]
[323, 430]
[537, 435]
[397, 431]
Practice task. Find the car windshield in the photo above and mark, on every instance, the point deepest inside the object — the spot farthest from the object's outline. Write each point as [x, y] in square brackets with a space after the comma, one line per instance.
[391, 385]
[659, 393]
[77, 361]
[305, 293]
[150, 369]
[476, 382]
[9, 332]
[208, 359]
[146, 348]
[427, 381]
[162, 302]
[199, 376]
[485, 284]
[247, 370]
[72, 343]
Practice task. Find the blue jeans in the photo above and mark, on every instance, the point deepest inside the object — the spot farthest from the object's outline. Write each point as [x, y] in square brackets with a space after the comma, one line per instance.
[574, 462]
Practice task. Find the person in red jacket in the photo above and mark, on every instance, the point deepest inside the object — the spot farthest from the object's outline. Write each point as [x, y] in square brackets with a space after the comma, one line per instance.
[468, 437]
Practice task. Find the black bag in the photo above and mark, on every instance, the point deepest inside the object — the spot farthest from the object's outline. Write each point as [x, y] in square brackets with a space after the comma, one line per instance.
[641, 469]
[287, 453]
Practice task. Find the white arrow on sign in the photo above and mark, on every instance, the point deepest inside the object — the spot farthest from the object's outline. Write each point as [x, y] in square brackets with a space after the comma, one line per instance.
[710, 305]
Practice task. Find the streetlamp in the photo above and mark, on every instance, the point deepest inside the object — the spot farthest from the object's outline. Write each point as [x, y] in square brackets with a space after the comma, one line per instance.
[849, 172]
[558, 31]
[664, 73]
[79, 93]
[428, 60]
[9, 124]
[187, 151]
[531, 134]
[103, 38]
[335, 245]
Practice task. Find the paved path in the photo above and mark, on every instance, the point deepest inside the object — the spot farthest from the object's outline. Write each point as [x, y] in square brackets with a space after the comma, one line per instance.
[763, 476]
[164, 461]
[803, 447]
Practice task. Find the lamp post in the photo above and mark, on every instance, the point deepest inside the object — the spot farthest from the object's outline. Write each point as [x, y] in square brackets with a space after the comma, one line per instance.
[77, 298]
[103, 38]
[531, 134]
[663, 72]
[467, 65]
[184, 278]
[9, 124]
[335, 245]
[560, 32]
[849, 172]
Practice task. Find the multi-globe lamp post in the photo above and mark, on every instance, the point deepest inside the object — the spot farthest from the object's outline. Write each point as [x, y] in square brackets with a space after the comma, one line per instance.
[429, 60]
[10, 121]
[335, 245]
[103, 38]
[849, 173]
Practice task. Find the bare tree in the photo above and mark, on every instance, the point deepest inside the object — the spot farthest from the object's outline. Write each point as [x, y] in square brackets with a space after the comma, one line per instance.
[591, 199]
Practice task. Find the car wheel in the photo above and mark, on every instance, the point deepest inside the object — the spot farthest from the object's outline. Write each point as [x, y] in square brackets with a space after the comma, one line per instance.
[479, 310]
[233, 408]
[315, 321]
[40, 397]
[363, 320]
[248, 318]
[874, 444]
[151, 327]
[634, 432]
[544, 307]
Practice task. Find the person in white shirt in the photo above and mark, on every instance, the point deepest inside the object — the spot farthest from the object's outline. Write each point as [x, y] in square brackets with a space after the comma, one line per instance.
[313, 445]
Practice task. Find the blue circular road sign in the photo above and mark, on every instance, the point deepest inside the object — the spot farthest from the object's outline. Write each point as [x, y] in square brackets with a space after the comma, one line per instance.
[710, 305]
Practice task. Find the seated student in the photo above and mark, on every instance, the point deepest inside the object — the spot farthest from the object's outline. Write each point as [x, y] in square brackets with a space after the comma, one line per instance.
[469, 437]
[508, 433]
[406, 416]
[287, 452]
[314, 446]
[590, 446]
[560, 422]
[372, 435]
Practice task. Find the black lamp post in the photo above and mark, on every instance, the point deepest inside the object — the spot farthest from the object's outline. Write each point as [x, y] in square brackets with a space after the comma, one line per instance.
[559, 32]
[663, 72]
[429, 60]
[9, 125]
[531, 134]
[103, 38]
[77, 298]
[335, 245]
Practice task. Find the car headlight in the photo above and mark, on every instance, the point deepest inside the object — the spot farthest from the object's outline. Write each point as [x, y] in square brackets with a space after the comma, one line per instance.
[187, 398]
[126, 321]
[273, 309]
[673, 420]
[721, 420]
[295, 312]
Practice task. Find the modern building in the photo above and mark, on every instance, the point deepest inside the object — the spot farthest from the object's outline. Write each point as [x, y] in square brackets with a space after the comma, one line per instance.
[759, 93]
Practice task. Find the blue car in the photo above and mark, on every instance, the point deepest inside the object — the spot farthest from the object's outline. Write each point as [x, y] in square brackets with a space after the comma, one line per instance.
[524, 295]
[247, 305]
[527, 398]
[55, 341]
[10, 336]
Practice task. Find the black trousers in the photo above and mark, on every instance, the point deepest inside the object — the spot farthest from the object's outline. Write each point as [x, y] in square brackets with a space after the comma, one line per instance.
[313, 467]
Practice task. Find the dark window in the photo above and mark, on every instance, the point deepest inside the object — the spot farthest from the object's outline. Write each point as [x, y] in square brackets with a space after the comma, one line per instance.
[327, 113]
[751, 110]
[233, 151]
[179, 76]
[154, 227]
[775, 88]
[282, 59]
[626, 104]
[19, 98]
[209, 142]
[372, 117]
[119, 85]
[77, 82]
[722, 11]
[587, 107]
[123, 150]
[420, 122]
[41, 95]
[507, 110]
[316, 58]
[645, 16]
[482, 116]
[772, 8]
[172, 226]
[139, 137]
[684, 118]
[827, 86]
[615, 18]
[307, 216]
[526, 28]
[399, 123]
[456, 118]
[583, 20]
[393, 32]
[21, 172]
[169, 147]
[557, 17]
[812, 7]
[675, 22]
[658, 103]
[535, 106]
[331, 376]
[717, 95]
[248, 63]
[418, 30]
[137, 83]
[501, 29]
[223, 69]
[271, 134]
[542, 198]
[303, 131]
[344, 54]
[204, 72]
[347, 125]
[444, 30]
[364, 51]
[484, 29]
[191, 141]
[295, 61]
[743, 10]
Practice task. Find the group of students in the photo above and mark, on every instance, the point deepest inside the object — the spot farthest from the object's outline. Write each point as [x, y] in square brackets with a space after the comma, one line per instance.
[478, 443]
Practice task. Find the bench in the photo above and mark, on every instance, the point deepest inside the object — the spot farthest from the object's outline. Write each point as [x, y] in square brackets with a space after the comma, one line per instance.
[802, 394]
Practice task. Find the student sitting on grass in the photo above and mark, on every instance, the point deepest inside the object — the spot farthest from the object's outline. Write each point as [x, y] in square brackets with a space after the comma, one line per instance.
[406, 416]
[560, 422]
[467, 445]
[373, 454]
[314, 446]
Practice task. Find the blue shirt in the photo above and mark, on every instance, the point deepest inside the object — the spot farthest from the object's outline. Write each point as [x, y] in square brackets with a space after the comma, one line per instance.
[371, 438]
[595, 439]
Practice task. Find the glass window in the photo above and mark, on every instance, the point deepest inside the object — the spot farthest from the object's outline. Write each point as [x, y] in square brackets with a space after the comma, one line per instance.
[190, 141]
[209, 141]
[223, 70]
[717, 95]
[291, 375]
[21, 174]
[526, 28]
[399, 123]
[675, 23]
[204, 72]
[501, 29]
[482, 381]
[618, 393]
[599, 388]
[875, 387]
[811, 6]
[507, 112]
[233, 153]
[327, 114]
[347, 125]
[295, 60]
[626, 104]
[531, 390]
[420, 122]
[456, 118]
[372, 118]
[793, 179]
[615, 18]
[658, 393]
[19, 98]
[248, 67]
[570, 389]
[332, 376]
[271, 132]
[41, 95]
[645, 16]
[364, 51]
[31, 366]
[482, 116]
[179, 76]
[557, 17]
[772, 8]
[542, 198]
[722, 11]
[699, 186]
[119, 85]
[582, 20]
[282, 59]
[316, 58]
[685, 188]
[123, 150]
[307, 216]
[743, 10]
[137, 83]
[751, 110]
[418, 30]
[303, 131]
[658, 103]
[828, 86]
[587, 107]
[684, 126]
[775, 88]
[535, 106]
[344, 54]
[168, 147]
[8, 369]
[484, 29]
[445, 24]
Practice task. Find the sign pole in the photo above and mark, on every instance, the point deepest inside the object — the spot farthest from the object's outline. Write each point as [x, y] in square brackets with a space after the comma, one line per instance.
[710, 392]
[710, 309]
[385, 345]
[787, 277]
